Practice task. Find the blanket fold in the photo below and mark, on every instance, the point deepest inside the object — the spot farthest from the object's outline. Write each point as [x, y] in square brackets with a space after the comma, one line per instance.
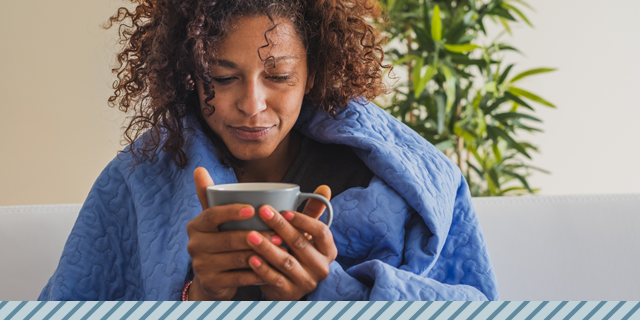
[412, 234]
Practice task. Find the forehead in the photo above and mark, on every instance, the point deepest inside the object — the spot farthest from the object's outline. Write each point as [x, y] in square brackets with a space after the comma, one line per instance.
[250, 35]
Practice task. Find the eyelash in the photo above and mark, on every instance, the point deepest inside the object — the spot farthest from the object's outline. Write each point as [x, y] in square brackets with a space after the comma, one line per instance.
[277, 79]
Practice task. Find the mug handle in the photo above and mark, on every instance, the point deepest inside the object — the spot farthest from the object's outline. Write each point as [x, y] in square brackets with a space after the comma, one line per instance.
[305, 196]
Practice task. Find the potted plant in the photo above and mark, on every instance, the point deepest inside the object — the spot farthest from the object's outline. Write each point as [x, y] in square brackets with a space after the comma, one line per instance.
[458, 94]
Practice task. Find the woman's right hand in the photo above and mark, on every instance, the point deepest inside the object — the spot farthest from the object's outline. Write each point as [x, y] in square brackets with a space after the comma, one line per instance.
[216, 256]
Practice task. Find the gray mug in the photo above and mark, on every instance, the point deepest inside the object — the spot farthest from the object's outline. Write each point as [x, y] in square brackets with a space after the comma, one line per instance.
[280, 196]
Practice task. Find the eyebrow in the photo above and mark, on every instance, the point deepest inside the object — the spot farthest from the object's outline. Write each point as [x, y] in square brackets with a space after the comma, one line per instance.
[232, 65]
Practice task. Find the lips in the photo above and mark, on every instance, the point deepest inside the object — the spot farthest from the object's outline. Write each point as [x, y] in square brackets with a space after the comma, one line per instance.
[251, 133]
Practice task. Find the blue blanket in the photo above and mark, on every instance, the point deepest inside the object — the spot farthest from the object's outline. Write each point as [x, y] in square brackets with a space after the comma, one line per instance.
[412, 234]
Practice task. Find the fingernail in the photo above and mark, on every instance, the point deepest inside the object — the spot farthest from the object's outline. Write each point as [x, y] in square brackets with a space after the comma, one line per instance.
[255, 261]
[255, 238]
[288, 215]
[246, 212]
[266, 212]
[276, 240]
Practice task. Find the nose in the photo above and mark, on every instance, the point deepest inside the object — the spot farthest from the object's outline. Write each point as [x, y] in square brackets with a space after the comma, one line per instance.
[254, 99]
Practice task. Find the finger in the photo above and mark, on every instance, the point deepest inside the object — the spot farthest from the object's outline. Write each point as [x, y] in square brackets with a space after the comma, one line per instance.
[292, 236]
[211, 218]
[314, 208]
[278, 258]
[222, 262]
[320, 233]
[230, 279]
[203, 180]
[228, 241]
[269, 275]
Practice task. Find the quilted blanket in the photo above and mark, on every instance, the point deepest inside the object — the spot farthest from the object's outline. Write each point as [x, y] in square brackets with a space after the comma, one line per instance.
[412, 234]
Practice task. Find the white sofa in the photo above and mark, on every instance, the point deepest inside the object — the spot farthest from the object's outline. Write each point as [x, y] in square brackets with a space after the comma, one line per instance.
[543, 248]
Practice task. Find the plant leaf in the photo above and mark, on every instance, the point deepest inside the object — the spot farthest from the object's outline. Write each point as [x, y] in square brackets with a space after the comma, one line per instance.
[523, 93]
[444, 145]
[451, 87]
[424, 79]
[515, 115]
[441, 111]
[404, 59]
[517, 100]
[519, 177]
[518, 12]
[436, 24]
[531, 72]
[390, 4]
[461, 48]
[512, 143]
[505, 74]
[506, 26]
[415, 74]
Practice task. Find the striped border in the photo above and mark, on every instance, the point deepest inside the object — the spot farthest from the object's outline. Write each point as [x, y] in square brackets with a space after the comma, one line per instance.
[249, 310]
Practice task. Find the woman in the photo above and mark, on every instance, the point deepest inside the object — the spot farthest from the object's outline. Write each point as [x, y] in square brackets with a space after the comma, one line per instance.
[268, 91]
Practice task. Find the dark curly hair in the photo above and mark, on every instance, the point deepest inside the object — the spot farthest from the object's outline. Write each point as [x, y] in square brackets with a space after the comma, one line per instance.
[168, 44]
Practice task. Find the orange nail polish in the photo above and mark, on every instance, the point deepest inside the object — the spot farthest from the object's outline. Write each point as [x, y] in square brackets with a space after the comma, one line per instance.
[255, 261]
[255, 238]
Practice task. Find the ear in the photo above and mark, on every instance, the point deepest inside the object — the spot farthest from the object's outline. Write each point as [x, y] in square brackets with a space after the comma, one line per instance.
[310, 80]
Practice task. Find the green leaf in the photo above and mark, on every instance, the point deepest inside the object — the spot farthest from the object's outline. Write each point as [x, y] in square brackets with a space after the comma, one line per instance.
[496, 152]
[512, 143]
[523, 93]
[517, 100]
[415, 74]
[506, 26]
[436, 24]
[441, 111]
[461, 48]
[451, 87]
[390, 4]
[405, 59]
[531, 72]
[505, 74]
[503, 13]
[494, 177]
[515, 115]
[519, 177]
[494, 105]
[490, 87]
[444, 145]
[518, 12]
[524, 4]
[424, 79]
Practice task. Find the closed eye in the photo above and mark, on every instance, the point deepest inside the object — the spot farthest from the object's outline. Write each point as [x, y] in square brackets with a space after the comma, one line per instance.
[223, 80]
[279, 79]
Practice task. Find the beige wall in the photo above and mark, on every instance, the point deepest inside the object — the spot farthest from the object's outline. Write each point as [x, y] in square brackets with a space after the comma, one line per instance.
[57, 133]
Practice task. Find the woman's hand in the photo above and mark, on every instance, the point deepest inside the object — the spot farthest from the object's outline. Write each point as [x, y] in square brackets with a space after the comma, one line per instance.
[292, 277]
[216, 256]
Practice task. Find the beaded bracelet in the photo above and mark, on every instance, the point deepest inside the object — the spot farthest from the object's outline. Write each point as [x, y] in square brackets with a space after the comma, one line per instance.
[185, 291]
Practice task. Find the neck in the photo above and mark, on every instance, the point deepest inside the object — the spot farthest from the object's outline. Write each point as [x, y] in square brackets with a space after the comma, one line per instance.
[274, 167]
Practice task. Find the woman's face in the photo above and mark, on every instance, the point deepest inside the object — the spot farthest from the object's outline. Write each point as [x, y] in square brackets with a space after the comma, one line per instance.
[255, 108]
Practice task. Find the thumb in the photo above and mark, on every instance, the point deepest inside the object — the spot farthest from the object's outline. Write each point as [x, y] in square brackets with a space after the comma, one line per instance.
[315, 208]
[203, 180]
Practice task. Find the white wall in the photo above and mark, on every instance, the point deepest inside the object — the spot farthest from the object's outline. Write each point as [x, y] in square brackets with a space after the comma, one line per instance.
[591, 143]
[57, 133]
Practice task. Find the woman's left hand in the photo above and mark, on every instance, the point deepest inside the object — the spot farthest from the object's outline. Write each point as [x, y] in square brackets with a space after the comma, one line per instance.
[297, 275]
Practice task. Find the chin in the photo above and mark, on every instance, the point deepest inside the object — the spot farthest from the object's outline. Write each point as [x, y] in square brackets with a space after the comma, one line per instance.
[250, 154]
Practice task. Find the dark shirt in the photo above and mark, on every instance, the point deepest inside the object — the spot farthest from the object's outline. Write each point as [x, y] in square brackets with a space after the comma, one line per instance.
[334, 165]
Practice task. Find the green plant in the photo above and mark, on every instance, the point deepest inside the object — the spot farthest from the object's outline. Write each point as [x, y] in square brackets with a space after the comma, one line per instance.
[458, 95]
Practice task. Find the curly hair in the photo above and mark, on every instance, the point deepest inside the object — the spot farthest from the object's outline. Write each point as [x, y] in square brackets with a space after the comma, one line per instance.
[169, 44]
